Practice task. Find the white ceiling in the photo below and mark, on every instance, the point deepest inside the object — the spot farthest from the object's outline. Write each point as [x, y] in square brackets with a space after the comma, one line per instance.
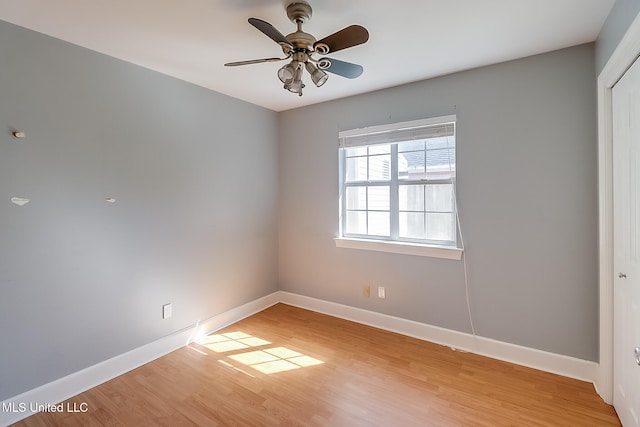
[410, 40]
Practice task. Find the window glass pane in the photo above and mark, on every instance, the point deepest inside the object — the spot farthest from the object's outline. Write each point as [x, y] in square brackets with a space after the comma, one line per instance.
[356, 222]
[411, 146]
[411, 197]
[452, 161]
[439, 197]
[403, 167]
[411, 225]
[440, 226]
[356, 198]
[438, 164]
[355, 151]
[379, 198]
[379, 223]
[411, 165]
[379, 168]
[356, 169]
[380, 149]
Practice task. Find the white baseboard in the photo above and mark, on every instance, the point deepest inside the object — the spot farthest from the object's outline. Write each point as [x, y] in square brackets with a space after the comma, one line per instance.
[19, 407]
[550, 362]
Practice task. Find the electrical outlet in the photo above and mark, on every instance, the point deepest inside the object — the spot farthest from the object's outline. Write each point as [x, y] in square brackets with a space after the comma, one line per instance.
[382, 292]
[366, 291]
[166, 311]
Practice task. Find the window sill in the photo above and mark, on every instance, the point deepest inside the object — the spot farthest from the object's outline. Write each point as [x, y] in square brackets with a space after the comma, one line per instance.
[399, 248]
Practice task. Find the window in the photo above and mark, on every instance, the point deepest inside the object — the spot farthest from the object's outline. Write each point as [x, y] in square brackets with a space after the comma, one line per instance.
[398, 182]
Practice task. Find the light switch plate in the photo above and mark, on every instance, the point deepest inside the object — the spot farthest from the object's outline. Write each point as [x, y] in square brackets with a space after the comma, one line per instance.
[166, 311]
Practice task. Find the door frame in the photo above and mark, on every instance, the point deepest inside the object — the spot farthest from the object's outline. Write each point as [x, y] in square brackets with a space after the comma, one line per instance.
[622, 58]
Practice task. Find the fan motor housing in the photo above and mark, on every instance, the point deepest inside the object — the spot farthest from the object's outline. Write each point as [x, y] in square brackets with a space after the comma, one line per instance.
[301, 40]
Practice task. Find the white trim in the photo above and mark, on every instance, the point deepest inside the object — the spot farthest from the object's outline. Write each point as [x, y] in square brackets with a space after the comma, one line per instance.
[80, 381]
[71, 385]
[396, 247]
[625, 54]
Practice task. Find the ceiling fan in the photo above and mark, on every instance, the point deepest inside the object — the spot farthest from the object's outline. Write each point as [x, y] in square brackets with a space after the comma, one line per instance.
[301, 47]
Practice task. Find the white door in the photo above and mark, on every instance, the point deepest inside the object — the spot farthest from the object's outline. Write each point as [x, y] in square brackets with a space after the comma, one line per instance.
[626, 229]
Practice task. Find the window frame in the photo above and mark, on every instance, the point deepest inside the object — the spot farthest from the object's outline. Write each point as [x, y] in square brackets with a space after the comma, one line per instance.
[394, 242]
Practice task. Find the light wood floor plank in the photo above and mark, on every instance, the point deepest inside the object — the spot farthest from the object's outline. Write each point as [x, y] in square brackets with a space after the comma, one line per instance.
[291, 367]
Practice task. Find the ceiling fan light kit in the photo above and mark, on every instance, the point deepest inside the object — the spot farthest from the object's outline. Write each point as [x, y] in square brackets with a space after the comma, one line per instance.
[300, 47]
[318, 76]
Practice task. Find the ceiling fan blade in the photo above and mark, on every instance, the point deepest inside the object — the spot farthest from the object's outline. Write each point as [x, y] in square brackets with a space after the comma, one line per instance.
[269, 30]
[253, 61]
[342, 68]
[345, 38]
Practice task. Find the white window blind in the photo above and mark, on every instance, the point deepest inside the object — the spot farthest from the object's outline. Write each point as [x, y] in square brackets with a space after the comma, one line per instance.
[399, 132]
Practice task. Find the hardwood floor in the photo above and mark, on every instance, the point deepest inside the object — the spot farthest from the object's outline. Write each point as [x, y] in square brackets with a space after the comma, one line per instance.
[290, 367]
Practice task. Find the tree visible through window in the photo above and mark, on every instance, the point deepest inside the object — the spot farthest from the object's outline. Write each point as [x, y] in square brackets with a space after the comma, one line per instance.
[398, 182]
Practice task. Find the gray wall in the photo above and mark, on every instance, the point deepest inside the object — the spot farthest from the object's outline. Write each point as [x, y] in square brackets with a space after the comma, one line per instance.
[195, 222]
[620, 18]
[204, 201]
[527, 187]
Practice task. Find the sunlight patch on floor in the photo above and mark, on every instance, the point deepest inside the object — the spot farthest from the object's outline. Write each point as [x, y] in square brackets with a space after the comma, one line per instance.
[231, 341]
[278, 359]
[266, 360]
